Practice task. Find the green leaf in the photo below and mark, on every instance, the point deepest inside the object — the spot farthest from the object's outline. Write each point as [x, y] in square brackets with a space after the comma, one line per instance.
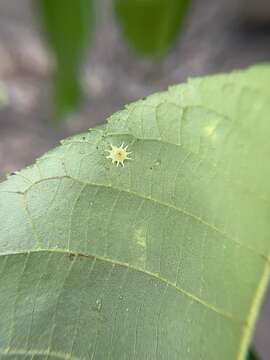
[164, 258]
[151, 25]
[3, 96]
[67, 25]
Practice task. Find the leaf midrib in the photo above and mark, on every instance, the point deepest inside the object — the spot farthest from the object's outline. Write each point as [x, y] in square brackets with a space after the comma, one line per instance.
[160, 203]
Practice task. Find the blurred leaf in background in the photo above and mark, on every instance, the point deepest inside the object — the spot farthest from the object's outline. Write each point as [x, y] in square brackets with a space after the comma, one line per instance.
[67, 25]
[3, 96]
[151, 25]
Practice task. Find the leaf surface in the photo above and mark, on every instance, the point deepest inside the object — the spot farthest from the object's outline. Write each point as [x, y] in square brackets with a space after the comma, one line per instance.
[164, 258]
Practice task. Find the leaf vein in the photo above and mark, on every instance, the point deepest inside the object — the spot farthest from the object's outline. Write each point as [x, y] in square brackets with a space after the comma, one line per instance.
[156, 276]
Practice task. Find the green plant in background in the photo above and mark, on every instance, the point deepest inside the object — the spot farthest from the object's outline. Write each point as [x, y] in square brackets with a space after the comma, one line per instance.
[3, 96]
[166, 257]
[68, 25]
[150, 25]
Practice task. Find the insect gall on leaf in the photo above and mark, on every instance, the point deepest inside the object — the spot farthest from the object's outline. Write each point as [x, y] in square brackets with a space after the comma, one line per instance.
[118, 154]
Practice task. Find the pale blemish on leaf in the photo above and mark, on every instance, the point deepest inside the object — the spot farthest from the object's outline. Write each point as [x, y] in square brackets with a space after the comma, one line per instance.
[140, 237]
[140, 245]
[209, 130]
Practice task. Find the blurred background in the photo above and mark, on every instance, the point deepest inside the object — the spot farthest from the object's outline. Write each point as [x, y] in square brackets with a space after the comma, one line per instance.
[115, 66]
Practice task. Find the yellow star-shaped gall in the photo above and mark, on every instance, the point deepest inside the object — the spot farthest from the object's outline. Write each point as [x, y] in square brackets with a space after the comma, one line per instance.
[118, 154]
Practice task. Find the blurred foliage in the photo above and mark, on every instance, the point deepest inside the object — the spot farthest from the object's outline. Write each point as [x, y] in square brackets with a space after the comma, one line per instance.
[67, 25]
[3, 96]
[151, 25]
